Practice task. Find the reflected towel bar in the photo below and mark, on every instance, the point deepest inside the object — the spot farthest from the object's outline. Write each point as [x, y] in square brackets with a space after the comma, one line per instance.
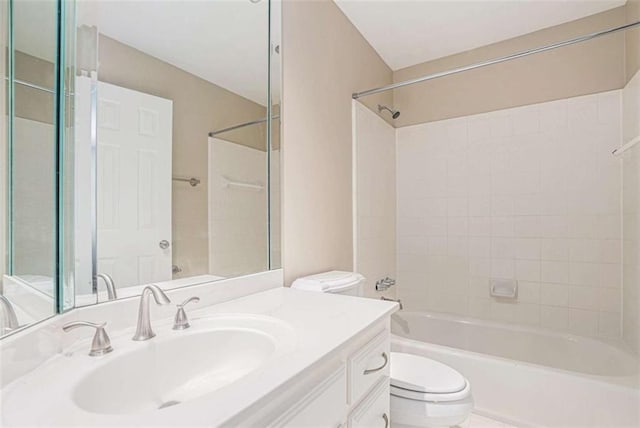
[191, 180]
[239, 184]
[627, 146]
[242, 125]
[32, 85]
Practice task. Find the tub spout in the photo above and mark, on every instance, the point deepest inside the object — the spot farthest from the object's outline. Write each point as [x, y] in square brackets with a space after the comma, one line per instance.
[398, 301]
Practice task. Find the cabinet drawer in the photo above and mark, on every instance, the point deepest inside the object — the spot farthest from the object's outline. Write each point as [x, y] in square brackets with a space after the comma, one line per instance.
[373, 412]
[368, 365]
[324, 406]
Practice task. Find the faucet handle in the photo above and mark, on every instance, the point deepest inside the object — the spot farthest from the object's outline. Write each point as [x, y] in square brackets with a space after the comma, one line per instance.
[101, 343]
[180, 322]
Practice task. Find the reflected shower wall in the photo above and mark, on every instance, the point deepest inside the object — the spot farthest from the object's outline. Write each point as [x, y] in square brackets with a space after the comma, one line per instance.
[33, 157]
[237, 215]
[631, 216]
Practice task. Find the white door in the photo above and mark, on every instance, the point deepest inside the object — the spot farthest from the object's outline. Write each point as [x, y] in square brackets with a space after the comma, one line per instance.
[134, 186]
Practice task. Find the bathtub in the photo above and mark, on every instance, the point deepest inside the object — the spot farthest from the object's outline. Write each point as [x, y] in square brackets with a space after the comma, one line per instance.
[528, 376]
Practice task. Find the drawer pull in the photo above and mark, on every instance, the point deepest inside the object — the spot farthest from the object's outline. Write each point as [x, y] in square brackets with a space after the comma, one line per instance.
[386, 420]
[377, 369]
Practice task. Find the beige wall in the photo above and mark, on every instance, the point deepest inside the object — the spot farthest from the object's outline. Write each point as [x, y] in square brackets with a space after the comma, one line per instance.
[594, 66]
[325, 60]
[632, 39]
[32, 103]
[198, 108]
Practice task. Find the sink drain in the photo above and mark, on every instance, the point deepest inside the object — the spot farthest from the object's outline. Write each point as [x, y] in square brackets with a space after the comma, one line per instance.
[168, 404]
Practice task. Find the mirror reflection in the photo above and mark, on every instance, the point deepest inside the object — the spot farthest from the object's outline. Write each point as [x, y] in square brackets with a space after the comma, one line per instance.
[28, 150]
[172, 147]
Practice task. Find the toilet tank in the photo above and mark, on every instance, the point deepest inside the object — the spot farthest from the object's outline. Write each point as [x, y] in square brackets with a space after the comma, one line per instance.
[335, 282]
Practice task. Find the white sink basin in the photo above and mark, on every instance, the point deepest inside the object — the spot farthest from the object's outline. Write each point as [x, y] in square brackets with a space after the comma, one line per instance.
[178, 366]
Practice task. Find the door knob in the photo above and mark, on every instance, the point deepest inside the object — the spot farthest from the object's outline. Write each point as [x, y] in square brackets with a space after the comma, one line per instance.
[164, 244]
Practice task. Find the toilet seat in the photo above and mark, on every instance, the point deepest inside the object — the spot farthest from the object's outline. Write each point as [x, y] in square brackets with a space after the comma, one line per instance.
[418, 378]
[435, 398]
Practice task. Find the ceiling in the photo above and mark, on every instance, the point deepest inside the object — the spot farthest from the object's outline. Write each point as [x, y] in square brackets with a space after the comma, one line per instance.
[409, 32]
[34, 28]
[223, 42]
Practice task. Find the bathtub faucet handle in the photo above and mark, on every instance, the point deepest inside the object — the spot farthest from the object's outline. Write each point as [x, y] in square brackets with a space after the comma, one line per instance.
[385, 283]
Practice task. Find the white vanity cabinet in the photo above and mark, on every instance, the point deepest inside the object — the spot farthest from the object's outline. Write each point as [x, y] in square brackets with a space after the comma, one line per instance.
[349, 389]
[313, 360]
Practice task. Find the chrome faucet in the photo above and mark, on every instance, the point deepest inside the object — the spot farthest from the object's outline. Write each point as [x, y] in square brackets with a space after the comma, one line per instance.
[398, 301]
[111, 286]
[101, 343]
[9, 318]
[144, 331]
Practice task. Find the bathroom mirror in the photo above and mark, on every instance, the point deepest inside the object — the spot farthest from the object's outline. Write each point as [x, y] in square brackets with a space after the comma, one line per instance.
[28, 160]
[173, 144]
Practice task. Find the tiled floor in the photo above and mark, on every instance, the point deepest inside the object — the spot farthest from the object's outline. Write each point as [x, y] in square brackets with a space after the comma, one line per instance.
[477, 421]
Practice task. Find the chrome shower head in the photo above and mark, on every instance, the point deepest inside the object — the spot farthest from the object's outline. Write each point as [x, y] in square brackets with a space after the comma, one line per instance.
[394, 113]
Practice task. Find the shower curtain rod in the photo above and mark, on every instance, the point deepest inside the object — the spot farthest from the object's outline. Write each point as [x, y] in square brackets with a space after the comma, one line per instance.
[516, 55]
[242, 125]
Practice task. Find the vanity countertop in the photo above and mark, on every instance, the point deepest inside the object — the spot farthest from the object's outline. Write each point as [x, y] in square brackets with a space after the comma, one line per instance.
[317, 324]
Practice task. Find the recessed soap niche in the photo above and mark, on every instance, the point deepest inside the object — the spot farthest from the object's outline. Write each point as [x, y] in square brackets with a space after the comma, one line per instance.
[503, 288]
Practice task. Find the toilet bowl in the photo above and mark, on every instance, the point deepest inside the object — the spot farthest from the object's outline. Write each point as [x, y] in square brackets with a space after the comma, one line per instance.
[424, 393]
[427, 393]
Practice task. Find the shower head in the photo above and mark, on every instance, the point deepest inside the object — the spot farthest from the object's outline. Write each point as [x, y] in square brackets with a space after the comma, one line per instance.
[394, 113]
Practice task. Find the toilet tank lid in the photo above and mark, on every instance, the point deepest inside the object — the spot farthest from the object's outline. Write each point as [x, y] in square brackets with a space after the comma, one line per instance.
[331, 281]
[421, 374]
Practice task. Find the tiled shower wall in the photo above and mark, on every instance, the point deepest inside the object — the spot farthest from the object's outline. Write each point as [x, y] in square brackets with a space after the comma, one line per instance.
[530, 193]
[375, 169]
[631, 216]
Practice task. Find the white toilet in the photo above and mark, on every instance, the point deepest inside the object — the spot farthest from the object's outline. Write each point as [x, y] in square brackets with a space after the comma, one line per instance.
[427, 393]
[424, 392]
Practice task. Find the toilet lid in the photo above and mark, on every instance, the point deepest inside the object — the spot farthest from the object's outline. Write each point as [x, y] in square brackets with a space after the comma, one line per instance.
[416, 373]
[332, 281]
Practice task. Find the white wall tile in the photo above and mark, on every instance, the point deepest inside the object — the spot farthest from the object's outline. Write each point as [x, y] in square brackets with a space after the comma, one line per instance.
[528, 270]
[527, 226]
[479, 206]
[457, 207]
[631, 231]
[528, 248]
[553, 317]
[584, 273]
[554, 295]
[609, 325]
[583, 322]
[553, 116]
[480, 226]
[530, 193]
[557, 272]
[526, 120]
[501, 124]
[554, 249]
[503, 268]
[582, 297]
[502, 226]
[585, 250]
[529, 292]
[502, 248]
[609, 299]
